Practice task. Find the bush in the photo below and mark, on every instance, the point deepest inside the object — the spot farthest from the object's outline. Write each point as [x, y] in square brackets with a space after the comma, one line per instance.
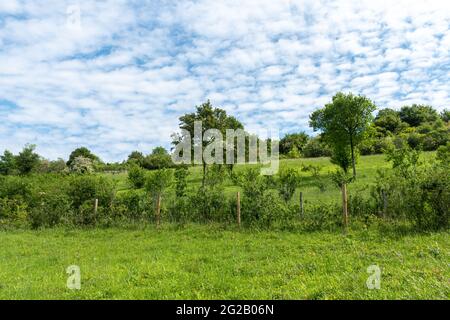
[136, 176]
[90, 187]
[132, 205]
[418, 193]
[288, 181]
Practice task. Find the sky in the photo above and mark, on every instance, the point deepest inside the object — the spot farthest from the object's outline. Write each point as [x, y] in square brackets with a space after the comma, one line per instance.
[115, 76]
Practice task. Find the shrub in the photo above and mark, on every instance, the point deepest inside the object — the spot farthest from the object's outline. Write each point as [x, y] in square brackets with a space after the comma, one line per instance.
[136, 176]
[88, 188]
[132, 205]
[287, 182]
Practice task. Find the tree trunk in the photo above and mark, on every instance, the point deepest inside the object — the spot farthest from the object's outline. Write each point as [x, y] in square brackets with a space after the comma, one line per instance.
[345, 206]
[352, 147]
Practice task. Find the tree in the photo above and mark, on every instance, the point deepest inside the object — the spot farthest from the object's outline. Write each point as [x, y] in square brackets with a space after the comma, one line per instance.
[211, 118]
[82, 152]
[415, 115]
[27, 159]
[136, 175]
[82, 165]
[316, 148]
[344, 121]
[388, 120]
[445, 115]
[7, 163]
[287, 182]
[293, 141]
[136, 157]
[158, 159]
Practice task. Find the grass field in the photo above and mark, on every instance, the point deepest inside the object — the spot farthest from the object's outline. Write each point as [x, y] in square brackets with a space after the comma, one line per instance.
[203, 262]
[214, 262]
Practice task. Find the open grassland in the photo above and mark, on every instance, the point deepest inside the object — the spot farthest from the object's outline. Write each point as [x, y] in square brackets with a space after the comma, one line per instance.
[206, 262]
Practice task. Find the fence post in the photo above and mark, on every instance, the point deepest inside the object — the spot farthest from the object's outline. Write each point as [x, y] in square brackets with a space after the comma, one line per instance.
[301, 204]
[385, 203]
[158, 210]
[238, 208]
[95, 207]
[345, 206]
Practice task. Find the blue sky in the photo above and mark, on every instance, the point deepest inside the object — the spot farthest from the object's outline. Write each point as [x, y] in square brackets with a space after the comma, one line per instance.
[118, 78]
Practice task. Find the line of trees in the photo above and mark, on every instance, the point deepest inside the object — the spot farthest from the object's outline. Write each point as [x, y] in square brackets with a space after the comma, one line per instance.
[346, 128]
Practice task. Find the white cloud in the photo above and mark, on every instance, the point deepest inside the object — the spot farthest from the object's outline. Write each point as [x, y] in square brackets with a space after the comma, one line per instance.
[120, 82]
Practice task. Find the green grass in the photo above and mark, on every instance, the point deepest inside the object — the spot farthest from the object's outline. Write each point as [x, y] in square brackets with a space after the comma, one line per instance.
[367, 167]
[207, 262]
[204, 262]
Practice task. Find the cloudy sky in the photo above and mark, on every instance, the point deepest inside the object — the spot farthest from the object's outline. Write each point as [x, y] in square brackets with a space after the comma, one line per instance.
[118, 78]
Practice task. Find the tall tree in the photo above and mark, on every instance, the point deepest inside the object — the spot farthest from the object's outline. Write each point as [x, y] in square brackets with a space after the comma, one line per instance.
[27, 159]
[344, 121]
[7, 163]
[211, 118]
[416, 115]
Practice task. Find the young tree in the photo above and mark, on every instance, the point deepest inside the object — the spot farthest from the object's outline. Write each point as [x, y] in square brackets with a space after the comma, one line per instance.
[136, 176]
[344, 121]
[27, 159]
[211, 118]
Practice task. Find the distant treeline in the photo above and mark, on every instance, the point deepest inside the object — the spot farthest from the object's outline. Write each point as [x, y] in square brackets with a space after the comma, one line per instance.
[421, 126]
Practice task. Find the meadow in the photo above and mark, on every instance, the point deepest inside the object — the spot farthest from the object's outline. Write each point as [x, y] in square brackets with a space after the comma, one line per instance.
[219, 261]
[207, 262]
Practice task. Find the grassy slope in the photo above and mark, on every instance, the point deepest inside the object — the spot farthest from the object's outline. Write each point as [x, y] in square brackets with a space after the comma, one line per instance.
[366, 169]
[202, 262]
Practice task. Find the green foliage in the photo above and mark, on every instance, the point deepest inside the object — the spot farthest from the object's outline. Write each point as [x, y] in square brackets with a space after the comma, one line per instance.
[416, 115]
[88, 188]
[7, 163]
[136, 176]
[136, 157]
[288, 181]
[345, 124]
[82, 165]
[132, 205]
[292, 144]
[388, 121]
[82, 152]
[414, 191]
[158, 181]
[27, 160]
[181, 174]
[316, 147]
[158, 159]
[443, 154]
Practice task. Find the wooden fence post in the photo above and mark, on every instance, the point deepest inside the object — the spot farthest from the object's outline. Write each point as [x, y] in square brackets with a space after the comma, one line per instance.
[158, 210]
[238, 208]
[345, 206]
[385, 203]
[95, 207]
[301, 204]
